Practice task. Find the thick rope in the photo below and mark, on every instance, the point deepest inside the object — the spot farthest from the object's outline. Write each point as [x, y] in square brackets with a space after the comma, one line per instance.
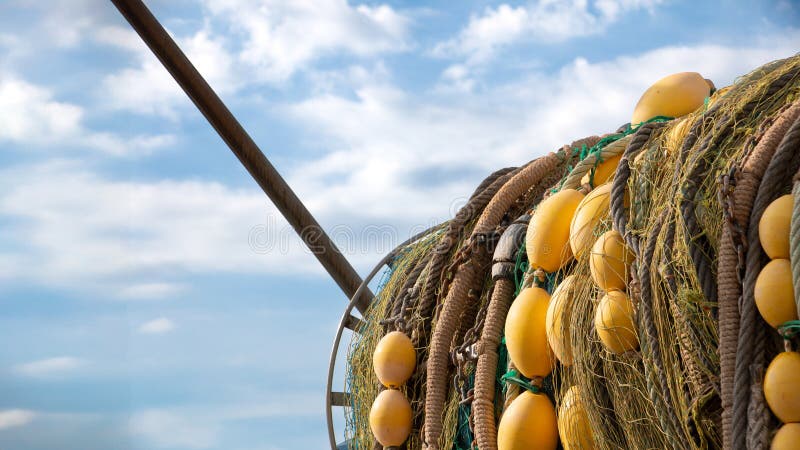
[750, 420]
[619, 215]
[455, 228]
[485, 372]
[591, 161]
[494, 176]
[433, 276]
[794, 241]
[454, 304]
[739, 191]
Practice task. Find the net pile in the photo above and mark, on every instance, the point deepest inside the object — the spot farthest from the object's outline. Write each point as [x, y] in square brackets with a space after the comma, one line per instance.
[685, 196]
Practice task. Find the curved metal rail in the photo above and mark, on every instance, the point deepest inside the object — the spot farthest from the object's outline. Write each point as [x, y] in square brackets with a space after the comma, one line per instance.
[334, 398]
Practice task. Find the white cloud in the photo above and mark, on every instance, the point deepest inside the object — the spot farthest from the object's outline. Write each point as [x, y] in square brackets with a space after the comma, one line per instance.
[540, 20]
[149, 291]
[387, 156]
[268, 40]
[396, 156]
[200, 426]
[121, 238]
[49, 367]
[149, 89]
[166, 429]
[64, 23]
[12, 418]
[284, 37]
[32, 116]
[160, 325]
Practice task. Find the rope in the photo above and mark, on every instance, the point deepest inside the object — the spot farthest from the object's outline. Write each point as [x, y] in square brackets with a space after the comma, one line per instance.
[455, 301]
[485, 422]
[607, 147]
[749, 412]
[656, 377]
[600, 152]
[619, 216]
[434, 274]
[738, 191]
[794, 242]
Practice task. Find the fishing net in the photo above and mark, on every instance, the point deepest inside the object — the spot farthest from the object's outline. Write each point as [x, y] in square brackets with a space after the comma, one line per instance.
[686, 196]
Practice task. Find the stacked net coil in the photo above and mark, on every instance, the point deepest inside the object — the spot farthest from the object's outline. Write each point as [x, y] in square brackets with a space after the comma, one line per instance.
[686, 197]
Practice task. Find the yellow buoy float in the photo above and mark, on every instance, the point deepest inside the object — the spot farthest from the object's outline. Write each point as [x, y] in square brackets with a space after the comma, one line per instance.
[526, 335]
[573, 422]
[555, 325]
[774, 293]
[394, 359]
[774, 227]
[614, 324]
[603, 172]
[672, 96]
[547, 238]
[390, 418]
[787, 437]
[782, 386]
[609, 261]
[528, 423]
[592, 209]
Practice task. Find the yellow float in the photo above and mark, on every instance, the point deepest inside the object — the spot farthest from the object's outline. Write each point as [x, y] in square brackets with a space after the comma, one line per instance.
[672, 96]
[573, 422]
[614, 324]
[782, 386]
[787, 437]
[609, 261]
[390, 418]
[774, 293]
[603, 172]
[561, 301]
[526, 335]
[547, 238]
[394, 359]
[592, 209]
[528, 423]
[774, 227]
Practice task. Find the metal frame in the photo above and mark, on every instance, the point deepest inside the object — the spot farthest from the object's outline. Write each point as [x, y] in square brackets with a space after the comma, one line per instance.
[334, 398]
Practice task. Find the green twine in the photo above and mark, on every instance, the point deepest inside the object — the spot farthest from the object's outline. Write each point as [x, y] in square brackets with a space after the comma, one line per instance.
[582, 152]
[656, 119]
[463, 438]
[789, 329]
[514, 377]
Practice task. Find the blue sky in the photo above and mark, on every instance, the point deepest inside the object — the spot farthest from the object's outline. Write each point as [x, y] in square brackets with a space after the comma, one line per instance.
[150, 296]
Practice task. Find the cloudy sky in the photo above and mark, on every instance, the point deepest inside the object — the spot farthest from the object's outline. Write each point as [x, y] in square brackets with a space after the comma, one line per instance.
[151, 298]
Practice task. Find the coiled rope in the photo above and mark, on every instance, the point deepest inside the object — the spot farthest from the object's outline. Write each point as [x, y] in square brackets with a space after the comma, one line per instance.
[750, 414]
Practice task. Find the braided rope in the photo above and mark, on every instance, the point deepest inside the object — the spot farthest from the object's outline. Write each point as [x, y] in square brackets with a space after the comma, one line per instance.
[585, 165]
[485, 422]
[742, 192]
[619, 215]
[432, 274]
[455, 302]
[794, 242]
[747, 418]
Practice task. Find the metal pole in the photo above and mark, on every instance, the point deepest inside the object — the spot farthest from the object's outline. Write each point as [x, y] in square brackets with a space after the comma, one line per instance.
[242, 145]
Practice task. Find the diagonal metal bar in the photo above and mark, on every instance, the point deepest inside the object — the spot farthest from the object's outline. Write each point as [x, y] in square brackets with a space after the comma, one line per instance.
[243, 146]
